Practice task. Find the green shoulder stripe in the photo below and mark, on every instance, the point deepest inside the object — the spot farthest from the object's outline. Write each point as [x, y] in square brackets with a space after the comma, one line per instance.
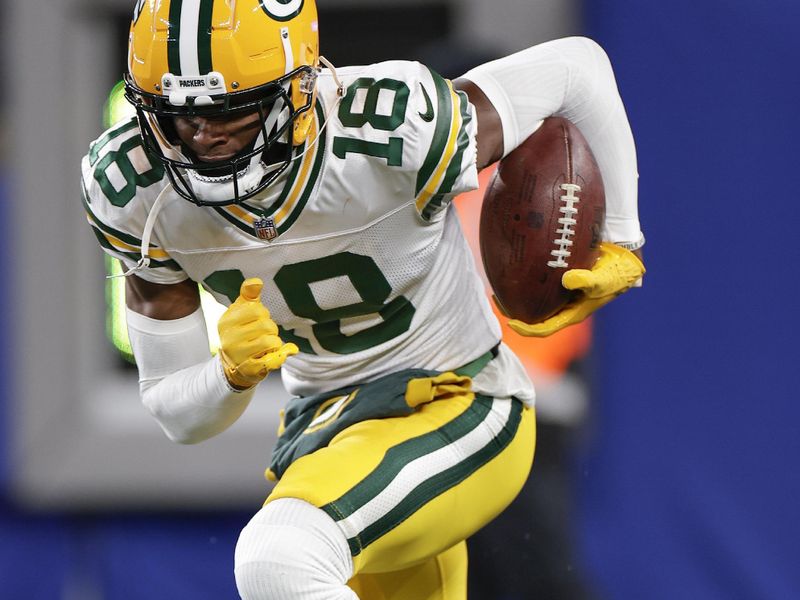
[444, 116]
[134, 256]
[455, 166]
[103, 232]
[120, 235]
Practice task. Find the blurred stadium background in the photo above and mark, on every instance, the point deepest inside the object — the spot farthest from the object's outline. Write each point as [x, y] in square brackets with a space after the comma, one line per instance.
[687, 485]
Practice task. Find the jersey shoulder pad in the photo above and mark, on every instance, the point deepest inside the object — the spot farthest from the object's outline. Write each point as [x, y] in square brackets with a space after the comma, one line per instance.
[119, 184]
[418, 122]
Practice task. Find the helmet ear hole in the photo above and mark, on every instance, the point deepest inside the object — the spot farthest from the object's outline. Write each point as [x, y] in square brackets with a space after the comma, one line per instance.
[309, 56]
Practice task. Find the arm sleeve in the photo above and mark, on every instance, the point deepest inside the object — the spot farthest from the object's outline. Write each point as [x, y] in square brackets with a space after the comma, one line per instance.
[570, 78]
[180, 384]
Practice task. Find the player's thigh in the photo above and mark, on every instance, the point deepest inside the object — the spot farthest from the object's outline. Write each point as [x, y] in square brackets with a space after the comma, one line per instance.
[461, 499]
[405, 489]
[442, 577]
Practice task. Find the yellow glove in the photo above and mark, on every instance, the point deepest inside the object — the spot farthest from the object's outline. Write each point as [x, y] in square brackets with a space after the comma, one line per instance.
[249, 344]
[615, 271]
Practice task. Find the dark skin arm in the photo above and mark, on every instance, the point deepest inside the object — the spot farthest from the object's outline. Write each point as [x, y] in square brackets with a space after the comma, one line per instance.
[159, 301]
[490, 129]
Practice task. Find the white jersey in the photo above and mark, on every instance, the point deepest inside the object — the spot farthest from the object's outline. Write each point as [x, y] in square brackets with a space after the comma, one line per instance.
[364, 264]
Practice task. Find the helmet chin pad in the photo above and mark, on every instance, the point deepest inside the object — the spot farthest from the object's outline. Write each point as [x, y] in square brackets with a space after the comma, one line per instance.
[217, 190]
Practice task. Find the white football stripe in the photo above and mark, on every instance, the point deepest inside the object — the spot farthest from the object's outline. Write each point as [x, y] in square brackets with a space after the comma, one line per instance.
[426, 467]
[187, 45]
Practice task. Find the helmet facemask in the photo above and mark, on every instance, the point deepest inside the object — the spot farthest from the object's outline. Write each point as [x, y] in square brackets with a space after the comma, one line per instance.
[234, 180]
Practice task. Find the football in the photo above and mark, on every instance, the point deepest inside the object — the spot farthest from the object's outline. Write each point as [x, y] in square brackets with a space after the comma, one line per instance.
[541, 215]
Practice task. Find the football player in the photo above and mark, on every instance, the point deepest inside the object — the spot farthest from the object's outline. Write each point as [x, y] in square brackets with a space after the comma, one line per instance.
[261, 172]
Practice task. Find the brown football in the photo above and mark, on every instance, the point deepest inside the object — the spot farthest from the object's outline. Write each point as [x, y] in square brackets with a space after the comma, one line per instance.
[541, 216]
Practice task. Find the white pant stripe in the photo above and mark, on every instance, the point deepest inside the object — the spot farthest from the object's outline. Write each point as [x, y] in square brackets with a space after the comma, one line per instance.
[187, 45]
[426, 467]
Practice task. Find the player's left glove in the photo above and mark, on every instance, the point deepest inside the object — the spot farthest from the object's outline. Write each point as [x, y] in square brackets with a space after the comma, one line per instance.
[615, 271]
[249, 344]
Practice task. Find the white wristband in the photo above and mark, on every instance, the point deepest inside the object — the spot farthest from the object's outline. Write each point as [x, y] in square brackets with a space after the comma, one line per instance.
[631, 245]
[182, 386]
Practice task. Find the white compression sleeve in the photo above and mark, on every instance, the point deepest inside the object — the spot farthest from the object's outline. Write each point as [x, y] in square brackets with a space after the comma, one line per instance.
[180, 384]
[570, 78]
[292, 549]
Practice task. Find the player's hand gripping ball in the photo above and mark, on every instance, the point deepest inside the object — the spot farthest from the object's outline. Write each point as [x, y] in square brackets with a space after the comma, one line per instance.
[615, 272]
[541, 216]
[249, 344]
[540, 234]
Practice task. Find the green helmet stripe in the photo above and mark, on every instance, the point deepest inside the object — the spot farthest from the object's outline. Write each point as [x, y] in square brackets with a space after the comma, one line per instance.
[204, 36]
[174, 37]
[189, 39]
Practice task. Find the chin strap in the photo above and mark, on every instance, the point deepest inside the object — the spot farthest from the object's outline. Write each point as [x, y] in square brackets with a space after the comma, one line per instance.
[144, 261]
[339, 84]
[340, 92]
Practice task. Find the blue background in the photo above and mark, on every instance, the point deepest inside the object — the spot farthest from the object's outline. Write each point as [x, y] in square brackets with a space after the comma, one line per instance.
[688, 487]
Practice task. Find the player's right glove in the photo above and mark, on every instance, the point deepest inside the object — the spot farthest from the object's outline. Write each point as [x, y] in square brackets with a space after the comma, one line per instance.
[615, 271]
[249, 344]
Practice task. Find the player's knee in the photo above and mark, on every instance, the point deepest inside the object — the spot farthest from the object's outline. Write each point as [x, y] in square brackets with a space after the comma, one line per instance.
[292, 550]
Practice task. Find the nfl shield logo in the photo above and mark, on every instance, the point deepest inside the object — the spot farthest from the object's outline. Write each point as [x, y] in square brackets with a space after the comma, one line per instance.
[265, 228]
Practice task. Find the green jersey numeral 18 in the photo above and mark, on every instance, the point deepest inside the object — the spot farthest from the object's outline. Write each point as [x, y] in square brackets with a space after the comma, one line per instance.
[391, 151]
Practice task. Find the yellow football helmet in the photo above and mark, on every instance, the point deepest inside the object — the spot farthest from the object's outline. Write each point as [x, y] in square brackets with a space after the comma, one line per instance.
[221, 57]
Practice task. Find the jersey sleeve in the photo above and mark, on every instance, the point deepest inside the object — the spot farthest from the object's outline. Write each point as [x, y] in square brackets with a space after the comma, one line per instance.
[119, 184]
[444, 136]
